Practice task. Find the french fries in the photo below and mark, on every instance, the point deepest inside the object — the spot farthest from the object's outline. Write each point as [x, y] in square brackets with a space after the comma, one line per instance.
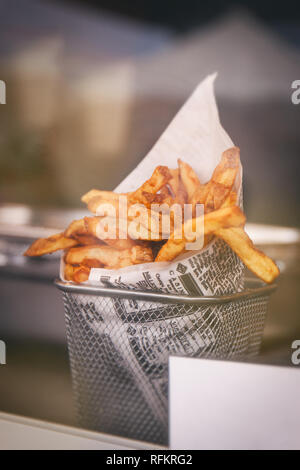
[255, 260]
[189, 178]
[211, 222]
[114, 209]
[86, 239]
[77, 227]
[97, 193]
[159, 178]
[88, 243]
[44, 246]
[107, 256]
[222, 180]
[77, 274]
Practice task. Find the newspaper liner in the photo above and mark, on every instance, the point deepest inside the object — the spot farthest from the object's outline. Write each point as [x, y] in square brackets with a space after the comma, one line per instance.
[196, 136]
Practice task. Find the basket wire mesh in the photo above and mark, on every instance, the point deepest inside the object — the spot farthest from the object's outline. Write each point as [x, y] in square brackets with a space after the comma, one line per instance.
[119, 343]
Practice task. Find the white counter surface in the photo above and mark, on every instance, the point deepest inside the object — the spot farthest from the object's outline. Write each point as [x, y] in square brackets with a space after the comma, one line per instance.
[19, 433]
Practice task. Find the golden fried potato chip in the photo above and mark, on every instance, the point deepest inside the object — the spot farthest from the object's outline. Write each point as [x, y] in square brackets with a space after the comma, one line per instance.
[97, 204]
[76, 227]
[159, 178]
[231, 200]
[81, 274]
[222, 180]
[109, 257]
[189, 178]
[255, 260]
[121, 244]
[179, 192]
[146, 233]
[174, 180]
[227, 217]
[108, 195]
[88, 240]
[76, 274]
[164, 196]
[44, 246]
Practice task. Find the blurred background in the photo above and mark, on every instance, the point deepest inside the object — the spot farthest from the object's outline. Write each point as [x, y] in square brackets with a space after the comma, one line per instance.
[90, 86]
[90, 90]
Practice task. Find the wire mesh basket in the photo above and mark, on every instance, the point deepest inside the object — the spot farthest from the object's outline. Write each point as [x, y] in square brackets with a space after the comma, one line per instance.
[120, 340]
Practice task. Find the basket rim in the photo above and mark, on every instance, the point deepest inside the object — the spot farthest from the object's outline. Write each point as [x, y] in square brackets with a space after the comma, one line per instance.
[253, 288]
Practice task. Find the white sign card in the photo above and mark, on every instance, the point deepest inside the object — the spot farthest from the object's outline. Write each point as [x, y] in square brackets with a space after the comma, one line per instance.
[233, 405]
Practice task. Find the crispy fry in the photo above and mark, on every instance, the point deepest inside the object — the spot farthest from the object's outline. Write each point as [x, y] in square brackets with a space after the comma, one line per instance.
[146, 194]
[44, 246]
[109, 257]
[259, 263]
[97, 203]
[76, 273]
[179, 192]
[77, 227]
[189, 178]
[231, 200]
[181, 195]
[81, 274]
[96, 192]
[120, 244]
[227, 217]
[148, 199]
[165, 192]
[226, 171]
[222, 180]
[174, 181]
[159, 178]
[199, 195]
[88, 240]
[93, 263]
[92, 224]
[163, 197]
[145, 233]
[95, 197]
[111, 208]
[236, 237]
[69, 271]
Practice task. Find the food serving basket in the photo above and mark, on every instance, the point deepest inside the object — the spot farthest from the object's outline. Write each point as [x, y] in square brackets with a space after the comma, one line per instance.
[120, 340]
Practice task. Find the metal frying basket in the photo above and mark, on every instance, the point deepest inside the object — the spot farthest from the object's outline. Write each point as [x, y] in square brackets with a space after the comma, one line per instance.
[119, 342]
